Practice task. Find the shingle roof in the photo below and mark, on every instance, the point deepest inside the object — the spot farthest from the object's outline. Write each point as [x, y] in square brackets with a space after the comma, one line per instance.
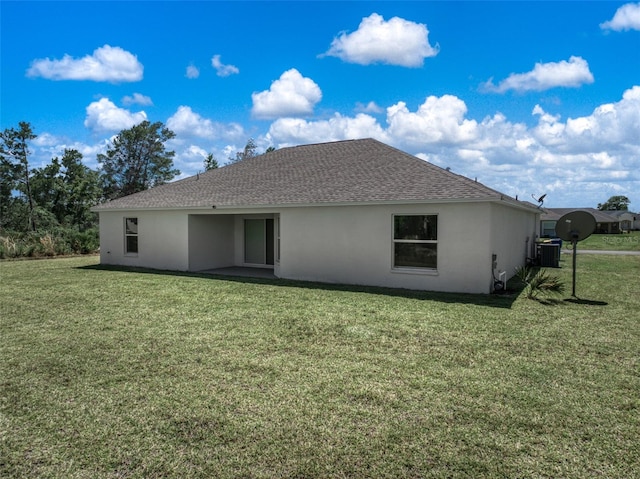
[554, 214]
[352, 171]
[619, 213]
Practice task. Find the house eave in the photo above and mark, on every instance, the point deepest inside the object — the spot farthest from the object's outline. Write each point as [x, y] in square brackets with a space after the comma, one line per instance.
[271, 206]
[104, 209]
[499, 200]
[519, 205]
[350, 203]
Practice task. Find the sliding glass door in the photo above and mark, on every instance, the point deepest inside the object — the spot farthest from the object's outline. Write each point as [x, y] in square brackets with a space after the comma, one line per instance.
[258, 241]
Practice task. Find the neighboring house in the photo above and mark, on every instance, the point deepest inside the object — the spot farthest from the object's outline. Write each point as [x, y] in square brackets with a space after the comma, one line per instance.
[353, 212]
[607, 222]
[628, 220]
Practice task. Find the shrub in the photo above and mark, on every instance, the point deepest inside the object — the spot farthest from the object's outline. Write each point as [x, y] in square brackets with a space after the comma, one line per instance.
[539, 282]
[84, 242]
[8, 247]
[48, 245]
[52, 242]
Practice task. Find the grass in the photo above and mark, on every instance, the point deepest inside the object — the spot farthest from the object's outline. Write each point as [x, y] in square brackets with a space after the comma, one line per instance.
[620, 242]
[109, 373]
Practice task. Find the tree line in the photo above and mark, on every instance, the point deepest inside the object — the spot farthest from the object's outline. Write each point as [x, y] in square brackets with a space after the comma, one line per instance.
[46, 211]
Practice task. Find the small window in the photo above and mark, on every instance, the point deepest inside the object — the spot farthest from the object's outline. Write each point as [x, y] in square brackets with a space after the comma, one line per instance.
[131, 235]
[548, 229]
[415, 241]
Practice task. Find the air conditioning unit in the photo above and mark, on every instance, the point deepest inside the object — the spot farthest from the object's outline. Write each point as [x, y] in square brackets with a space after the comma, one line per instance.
[549, 255]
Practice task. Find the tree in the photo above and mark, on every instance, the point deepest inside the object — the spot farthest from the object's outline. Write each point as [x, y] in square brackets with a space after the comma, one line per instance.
[7, 185]
[615, 203]
[248, 152]
[210, 163]
[14, 161]
[46, 185]
[68, 189]
[137, 160]
[81, 190]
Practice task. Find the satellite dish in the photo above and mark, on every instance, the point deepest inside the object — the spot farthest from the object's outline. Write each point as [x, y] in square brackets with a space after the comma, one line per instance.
[539, 200]
[574, 227]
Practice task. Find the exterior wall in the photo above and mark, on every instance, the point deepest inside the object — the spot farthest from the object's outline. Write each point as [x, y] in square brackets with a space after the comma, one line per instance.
[333, 244]
[513, 235]
[354, 245]
[211, 241]
[162, 242]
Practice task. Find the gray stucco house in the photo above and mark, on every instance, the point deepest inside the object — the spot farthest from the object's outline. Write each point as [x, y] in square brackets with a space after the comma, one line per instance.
[355, 212]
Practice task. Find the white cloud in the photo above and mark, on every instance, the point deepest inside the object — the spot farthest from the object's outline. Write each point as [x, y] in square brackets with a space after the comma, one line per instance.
[137, 99]
[394, 42]
[186, 123]
[612, 127]
[550, 129]
[194, 151]
[107, 63]
[290, 95]
[190, 158]
[192, 72]
[577, 158]
[437, 120]
[47, 146]
[544, 76]
[45, 140]
[590, 157]
[105, 116]
[627, 17]
[223, 70]
[370, 107]
[294, 131]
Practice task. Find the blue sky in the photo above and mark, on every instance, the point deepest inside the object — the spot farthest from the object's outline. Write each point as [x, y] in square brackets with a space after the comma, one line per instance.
[527, 97]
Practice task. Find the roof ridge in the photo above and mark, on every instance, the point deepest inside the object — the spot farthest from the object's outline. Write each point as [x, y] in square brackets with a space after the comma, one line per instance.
[473, 183]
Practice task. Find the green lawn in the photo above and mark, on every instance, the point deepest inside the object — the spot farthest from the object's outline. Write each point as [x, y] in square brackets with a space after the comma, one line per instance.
[619, 242]
[110, 373]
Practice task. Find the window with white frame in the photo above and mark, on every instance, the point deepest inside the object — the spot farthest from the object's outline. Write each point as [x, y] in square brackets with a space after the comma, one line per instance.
[415, 241]
[548, 229]
[131, 235]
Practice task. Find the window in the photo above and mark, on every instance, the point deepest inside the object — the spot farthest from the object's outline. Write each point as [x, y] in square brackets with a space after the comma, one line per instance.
[548, 229]
[131, 235]
[415, 241]
[277, 225]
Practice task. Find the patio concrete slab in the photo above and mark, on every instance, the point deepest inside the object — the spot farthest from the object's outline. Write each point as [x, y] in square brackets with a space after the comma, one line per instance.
[242, 272]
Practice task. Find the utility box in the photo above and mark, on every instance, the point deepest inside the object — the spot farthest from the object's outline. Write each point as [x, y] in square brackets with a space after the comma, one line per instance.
[549, 255]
